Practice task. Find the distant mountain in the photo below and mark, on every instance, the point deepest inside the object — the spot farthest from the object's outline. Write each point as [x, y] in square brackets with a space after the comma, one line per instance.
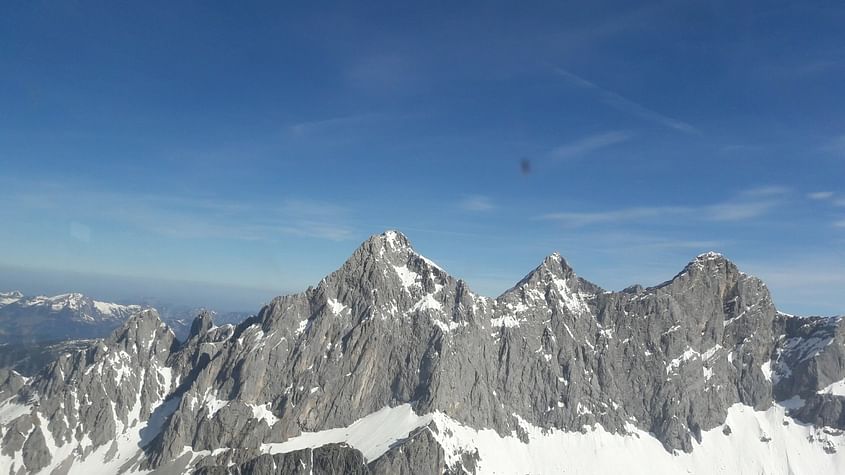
[35, 330]
[66, 316]
[390, 365]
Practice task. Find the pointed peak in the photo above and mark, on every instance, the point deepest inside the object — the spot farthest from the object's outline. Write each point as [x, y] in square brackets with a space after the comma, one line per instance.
[555, 256]
[556, 264]
[390, 256]
[388, 241]
[201, 324]
[708, 263]
[392, 242]
[394, 239]
[553, 268]
[145, 319]
[392, 246]
[709, 256]
[708, 259]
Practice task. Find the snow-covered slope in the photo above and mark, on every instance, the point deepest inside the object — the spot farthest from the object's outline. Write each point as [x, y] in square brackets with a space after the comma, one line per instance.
[749, 441]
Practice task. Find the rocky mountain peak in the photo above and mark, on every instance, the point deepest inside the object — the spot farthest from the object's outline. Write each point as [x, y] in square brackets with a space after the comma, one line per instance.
[555, 273]
[201, 324]
[557, 265]
[143, 333]
[390, 241]
[389, 247]
[388, 258]
[709, 266]
[711, 259]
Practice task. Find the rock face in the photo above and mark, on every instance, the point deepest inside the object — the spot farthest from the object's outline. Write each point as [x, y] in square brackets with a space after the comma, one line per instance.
[390, 365]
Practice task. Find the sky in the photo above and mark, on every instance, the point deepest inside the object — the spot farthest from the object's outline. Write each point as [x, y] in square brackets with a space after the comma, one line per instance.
[228, 152]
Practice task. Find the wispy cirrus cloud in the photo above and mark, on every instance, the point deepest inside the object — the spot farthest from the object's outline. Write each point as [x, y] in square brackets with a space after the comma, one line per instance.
[623, 104]
[750, 204]
[820, 195]
[578, 219]
[831, 199]
[590, 143]
[187, 217]
[333, 123]
[766, 191]
[477, 203]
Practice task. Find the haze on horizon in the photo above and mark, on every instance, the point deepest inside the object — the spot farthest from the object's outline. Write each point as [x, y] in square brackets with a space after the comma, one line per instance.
[224, 154]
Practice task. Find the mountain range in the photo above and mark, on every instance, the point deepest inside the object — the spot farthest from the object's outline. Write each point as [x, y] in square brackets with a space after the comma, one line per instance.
[35, 330]
[391, 365]
[66, 316]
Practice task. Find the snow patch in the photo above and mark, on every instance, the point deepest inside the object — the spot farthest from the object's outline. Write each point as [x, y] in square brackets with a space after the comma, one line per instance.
[504, 321]
[688, 354]
[336, 307]
[428, 302]
[766, 368]
[263, 413]
[407, 276]
[836, 389]
[373, 434]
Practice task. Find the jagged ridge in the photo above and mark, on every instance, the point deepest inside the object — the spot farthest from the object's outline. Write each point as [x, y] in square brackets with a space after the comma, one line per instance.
[391, 328]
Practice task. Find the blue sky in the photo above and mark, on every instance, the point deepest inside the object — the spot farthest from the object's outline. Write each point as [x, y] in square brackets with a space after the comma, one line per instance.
[247, 148]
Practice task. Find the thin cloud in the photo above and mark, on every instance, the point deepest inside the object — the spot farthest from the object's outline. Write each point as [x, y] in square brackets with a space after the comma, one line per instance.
[738, 211]
[581, 219]
[192, 217]
[590, 144]
[748, 205]
[835, 145]
[820, 195]
[477, 203]
[323, 125]
[623, 104]
[828, 197]
[766, 191]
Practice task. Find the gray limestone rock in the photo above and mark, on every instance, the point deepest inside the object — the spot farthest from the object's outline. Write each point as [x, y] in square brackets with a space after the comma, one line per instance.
[330, 459]
[419, 454]
[35, 453]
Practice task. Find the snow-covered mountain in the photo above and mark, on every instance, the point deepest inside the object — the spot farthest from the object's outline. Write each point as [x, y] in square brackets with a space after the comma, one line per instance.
[391, 365]
[41, 319]
[65, 316]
